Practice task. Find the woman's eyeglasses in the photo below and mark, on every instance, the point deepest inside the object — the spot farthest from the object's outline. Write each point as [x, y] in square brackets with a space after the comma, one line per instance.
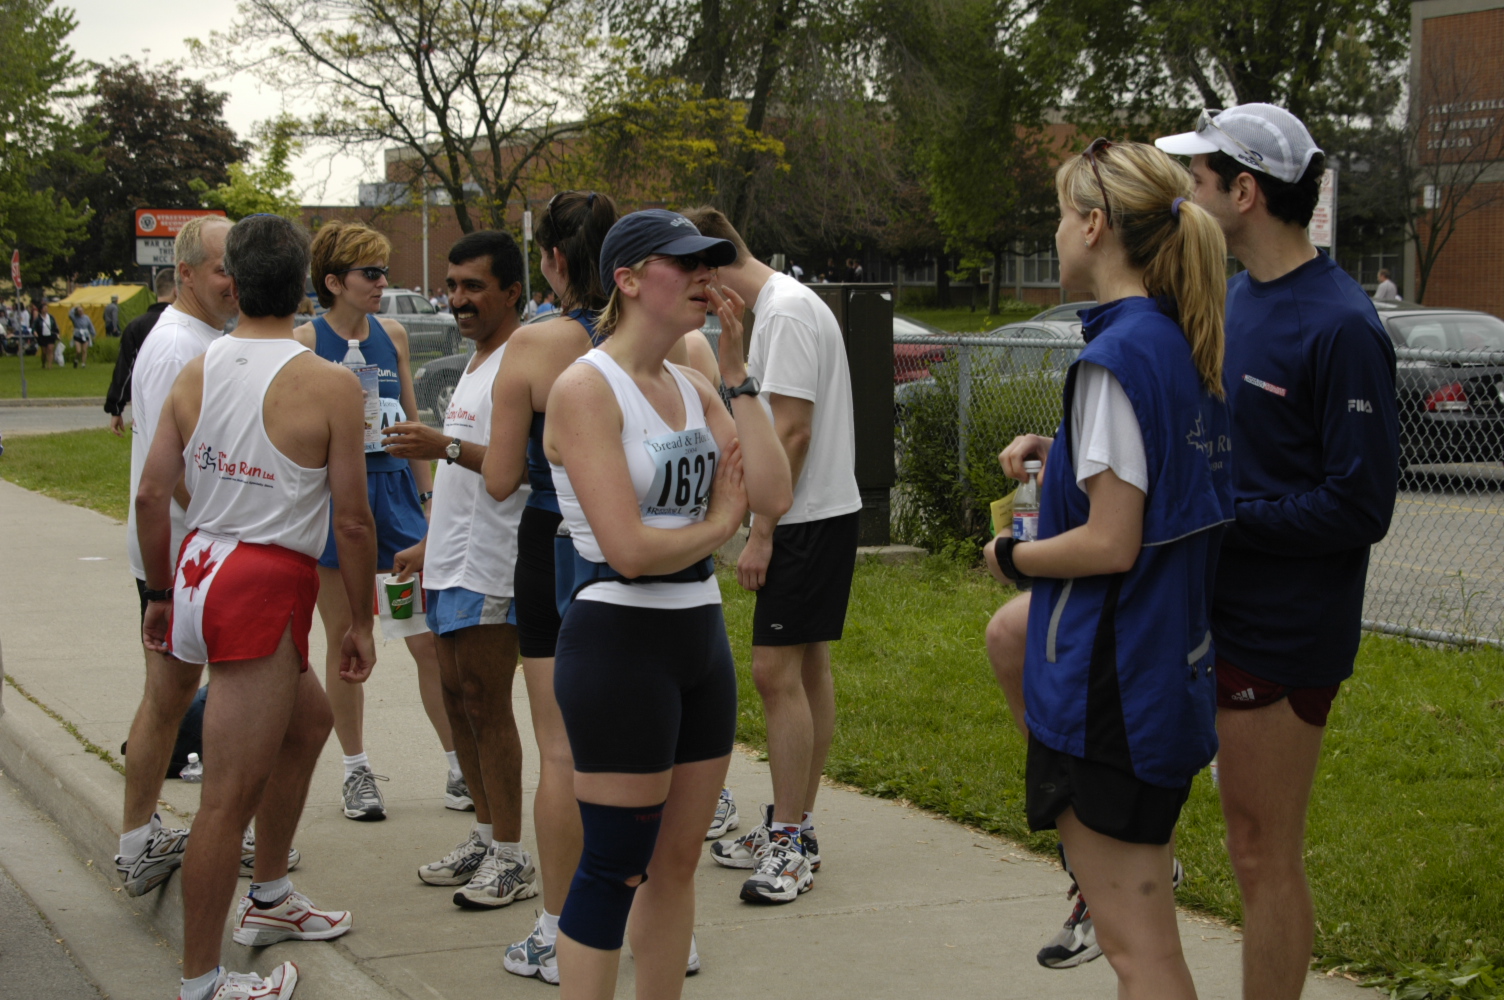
[1099, 145]
[688, 263]
[371, 274]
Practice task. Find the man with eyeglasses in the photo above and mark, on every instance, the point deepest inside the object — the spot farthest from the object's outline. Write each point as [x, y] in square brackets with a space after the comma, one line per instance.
[800, 565]
[1309, 373]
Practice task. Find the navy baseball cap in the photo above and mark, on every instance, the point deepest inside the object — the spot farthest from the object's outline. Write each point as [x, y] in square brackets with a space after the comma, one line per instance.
[638, 236]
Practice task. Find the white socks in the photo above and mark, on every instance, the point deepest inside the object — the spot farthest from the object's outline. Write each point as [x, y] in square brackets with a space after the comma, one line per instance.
[359, 760]
[484, 830]
[807, 823]
[202, 987]
[550, 927]
[268, 894]
[133, 842]
[454, 765]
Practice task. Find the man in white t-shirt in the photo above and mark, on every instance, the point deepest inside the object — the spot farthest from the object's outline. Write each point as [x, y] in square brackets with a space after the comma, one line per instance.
[800, 565]
[205, 303]
[1387, 291]
[468, 559]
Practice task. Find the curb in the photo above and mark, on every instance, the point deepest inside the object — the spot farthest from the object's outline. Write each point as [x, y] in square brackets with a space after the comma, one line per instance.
[82, 794]
[54, 401]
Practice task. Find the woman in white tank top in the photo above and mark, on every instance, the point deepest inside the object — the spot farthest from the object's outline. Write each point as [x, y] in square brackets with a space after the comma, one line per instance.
[653, 476]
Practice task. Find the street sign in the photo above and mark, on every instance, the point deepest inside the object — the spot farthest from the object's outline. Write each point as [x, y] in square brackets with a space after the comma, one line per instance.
[166, 222]
[154, 252]
[157, 228]
[1323, 228]
[527, 223]
[15, 269]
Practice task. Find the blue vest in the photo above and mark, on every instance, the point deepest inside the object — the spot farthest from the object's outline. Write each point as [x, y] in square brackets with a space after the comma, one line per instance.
[381, 352]
[539, 476]
[1119, 667]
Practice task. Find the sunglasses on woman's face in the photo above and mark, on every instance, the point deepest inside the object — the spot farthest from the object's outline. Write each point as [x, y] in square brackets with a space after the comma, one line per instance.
[371, 274]
[688, 263]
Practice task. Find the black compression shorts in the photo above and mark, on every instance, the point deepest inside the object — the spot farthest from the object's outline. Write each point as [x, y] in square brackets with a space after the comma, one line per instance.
[1114, 803]
[537, 609]
[643, 689]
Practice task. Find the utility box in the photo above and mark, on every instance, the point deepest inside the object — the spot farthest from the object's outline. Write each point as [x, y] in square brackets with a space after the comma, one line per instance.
[865, 313]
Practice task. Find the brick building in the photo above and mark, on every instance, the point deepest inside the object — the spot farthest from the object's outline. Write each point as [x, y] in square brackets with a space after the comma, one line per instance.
[1457, 76]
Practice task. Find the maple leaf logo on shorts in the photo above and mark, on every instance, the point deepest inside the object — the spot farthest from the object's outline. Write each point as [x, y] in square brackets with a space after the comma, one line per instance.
[196, 570]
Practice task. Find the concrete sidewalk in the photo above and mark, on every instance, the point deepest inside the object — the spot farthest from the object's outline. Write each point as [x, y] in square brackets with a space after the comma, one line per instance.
[906, 904]
[18, 420]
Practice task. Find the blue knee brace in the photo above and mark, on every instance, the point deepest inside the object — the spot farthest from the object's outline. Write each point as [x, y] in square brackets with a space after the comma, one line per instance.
[618, 845]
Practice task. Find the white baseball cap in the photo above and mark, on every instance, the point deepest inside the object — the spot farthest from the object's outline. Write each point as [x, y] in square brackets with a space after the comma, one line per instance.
[1260, 136]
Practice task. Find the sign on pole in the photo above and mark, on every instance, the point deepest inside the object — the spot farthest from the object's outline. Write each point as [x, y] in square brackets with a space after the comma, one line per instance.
[1323, 228]
[157, 230]
[15, 270]
[527, 223]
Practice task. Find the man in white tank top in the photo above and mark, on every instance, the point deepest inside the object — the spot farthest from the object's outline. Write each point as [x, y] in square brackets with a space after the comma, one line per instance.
[469, 558]
[205, 303]
[266, 433]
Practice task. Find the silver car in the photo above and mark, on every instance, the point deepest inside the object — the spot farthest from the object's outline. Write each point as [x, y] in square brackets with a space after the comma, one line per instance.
[430, 333]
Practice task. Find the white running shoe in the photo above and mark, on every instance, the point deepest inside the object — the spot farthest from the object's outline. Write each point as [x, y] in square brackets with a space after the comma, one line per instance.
[694, 958]
[505, 875]
[742, 851]
[249, 986]
[458, 866]
[248, 854]
[782, 873]
[361, 798]
[533, 956]
[292, 919]
[153, 866]
[726, 818]
[457, 795]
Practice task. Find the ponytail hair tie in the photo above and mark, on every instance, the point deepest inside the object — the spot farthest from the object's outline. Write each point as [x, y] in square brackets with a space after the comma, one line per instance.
[590, 201]
[1175, 207]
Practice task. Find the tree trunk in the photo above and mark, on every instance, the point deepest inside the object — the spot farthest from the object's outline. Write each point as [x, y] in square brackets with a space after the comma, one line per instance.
[996, 284]
[942, 280]
[769, 59]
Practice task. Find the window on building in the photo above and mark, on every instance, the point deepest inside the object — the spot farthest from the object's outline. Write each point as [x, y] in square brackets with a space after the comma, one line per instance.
[1041, 268]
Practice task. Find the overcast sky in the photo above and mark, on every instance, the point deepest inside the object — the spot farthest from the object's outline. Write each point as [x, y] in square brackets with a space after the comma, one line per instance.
[155, 30]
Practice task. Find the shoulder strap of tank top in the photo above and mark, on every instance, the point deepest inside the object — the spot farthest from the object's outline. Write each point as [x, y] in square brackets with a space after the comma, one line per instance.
[694, 406]
[587, 318]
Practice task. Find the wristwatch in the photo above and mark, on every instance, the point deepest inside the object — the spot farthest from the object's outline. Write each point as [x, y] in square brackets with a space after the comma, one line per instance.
[452, 452]
[156, 595]
[1002, 550]
[425, 497]
[751, 387]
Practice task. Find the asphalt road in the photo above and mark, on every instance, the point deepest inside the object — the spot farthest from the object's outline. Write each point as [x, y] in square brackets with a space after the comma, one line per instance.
[33, 964]
[18, 420]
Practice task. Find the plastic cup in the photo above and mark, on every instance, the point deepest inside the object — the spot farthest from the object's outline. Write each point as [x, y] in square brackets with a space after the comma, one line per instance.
[400, 595]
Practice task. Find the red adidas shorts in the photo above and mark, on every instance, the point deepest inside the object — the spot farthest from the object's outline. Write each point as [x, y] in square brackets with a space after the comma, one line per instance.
[232, 600]
[1237, 688]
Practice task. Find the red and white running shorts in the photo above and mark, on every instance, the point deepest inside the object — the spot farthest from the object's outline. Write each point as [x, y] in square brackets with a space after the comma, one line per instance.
[232, 600]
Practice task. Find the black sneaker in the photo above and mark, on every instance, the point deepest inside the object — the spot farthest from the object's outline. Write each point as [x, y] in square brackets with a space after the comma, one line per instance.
[811, 848]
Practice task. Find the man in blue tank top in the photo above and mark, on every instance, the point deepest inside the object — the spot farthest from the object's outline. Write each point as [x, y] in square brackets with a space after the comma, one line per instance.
[1309, 373]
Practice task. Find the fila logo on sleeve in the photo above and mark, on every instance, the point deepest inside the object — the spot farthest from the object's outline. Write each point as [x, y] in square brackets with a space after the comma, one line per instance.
[1359, 406]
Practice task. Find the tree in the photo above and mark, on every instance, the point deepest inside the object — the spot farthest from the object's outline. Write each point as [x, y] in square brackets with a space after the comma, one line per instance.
[470, 91]
[266, 187]
[158, 132]
[1143, 61]
[37, 137]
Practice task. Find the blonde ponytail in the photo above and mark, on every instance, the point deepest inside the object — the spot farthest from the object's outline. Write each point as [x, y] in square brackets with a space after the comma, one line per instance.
[1178, 246]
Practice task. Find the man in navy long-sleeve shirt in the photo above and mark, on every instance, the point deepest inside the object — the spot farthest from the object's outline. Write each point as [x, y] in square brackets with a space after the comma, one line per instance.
[1310, 381]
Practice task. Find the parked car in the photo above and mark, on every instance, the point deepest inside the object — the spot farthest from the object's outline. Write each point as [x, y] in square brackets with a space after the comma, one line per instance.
[911, 362]
[1450, 411]
[430, 333]
[1066, 311]
[999, 364]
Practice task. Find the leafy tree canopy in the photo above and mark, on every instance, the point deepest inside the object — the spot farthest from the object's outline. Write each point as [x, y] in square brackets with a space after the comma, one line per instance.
[265, 187]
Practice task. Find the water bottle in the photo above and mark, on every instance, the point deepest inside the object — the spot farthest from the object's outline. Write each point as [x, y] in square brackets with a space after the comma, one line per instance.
[370, 386]
[194, 771]
[1026, 505]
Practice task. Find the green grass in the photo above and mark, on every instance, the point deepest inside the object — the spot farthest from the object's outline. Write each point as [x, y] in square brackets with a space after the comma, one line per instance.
[1406, 842]
[54, 383]
[88, 468]
[965, 321]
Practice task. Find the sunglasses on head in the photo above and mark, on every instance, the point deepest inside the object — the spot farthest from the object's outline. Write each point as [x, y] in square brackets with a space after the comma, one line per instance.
[688, 263]
[1207, 121]
[1099, 145]
[371, 274]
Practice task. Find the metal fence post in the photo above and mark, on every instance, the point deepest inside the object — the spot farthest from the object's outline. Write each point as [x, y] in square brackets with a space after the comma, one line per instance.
[963, 405]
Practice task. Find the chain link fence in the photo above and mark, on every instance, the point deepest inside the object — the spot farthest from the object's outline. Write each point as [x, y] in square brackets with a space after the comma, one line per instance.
[1438, 575]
